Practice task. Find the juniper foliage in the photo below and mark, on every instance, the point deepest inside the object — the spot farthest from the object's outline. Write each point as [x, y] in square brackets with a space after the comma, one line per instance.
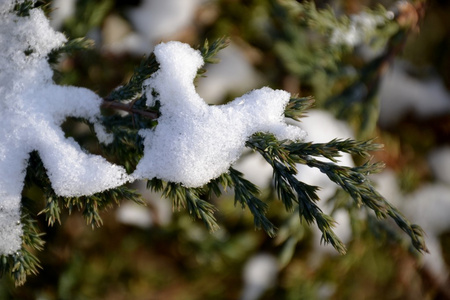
[296, 196]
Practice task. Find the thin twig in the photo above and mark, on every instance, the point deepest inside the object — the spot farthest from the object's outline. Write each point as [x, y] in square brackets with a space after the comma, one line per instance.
[129, 108]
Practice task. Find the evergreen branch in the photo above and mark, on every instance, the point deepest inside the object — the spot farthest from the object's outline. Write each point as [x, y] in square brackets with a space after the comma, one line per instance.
[188, 198]
[352, 180]
[224, 181]
[23, 9]
[71, 46]
[133, 87]
[52, 210]
[19, 265]
[306, 202]
[333, 149]
[176, 193]
[290, 190]
[155, 185]
[31, 237]
[416, 232]
[92, 205]
[127, 143]
[23, 263]
[360, 97]
[209, 52]
[201, 209]
[355, 182]
[297, 106]
[383, 230]
[128, 107]
[89, 205]
[91, 212]
[244, 193]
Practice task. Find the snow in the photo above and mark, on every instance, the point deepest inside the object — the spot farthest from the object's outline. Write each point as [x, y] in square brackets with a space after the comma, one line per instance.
[61, 11]
[32, 109]
[260, 273]
[118, 37]
[401, 94]
[194, 143]
[361, 25]
[439, 160]
[430, 207]
[134, 214]
[255, 169]
[7, 5]
[157, 19]
[157, 212]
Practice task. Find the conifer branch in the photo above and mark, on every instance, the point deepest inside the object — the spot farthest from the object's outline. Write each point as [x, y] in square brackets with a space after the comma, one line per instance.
[283, 156]
[245, 194]
[291, 191]
[133, 87]
[130, 109]
[188, 198]
[23, 263]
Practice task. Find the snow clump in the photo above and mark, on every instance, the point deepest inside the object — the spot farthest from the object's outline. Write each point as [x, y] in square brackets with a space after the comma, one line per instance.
[361, 26]
[32, 108]
[193, 142]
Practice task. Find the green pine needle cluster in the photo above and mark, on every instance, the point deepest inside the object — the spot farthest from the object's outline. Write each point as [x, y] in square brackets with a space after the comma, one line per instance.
[283, 157]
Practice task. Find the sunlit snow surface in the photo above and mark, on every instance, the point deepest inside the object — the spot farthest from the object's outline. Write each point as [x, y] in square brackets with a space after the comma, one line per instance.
[32, 109]
[194, 142]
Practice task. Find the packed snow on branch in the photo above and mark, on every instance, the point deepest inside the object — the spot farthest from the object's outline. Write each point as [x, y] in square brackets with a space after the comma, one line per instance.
[32, 109]
[194, 142]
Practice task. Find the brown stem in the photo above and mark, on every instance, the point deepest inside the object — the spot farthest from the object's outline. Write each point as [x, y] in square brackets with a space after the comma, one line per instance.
[129, 108]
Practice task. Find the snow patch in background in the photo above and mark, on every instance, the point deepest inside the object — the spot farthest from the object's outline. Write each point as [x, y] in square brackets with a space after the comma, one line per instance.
[157, 212]
[194, 142]
[439, 160]
[255, 169]
[156, 19]
[61, 10]
[401, 94]
[260, 273]
[361, 25]
[131, 213]
[233, 75]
